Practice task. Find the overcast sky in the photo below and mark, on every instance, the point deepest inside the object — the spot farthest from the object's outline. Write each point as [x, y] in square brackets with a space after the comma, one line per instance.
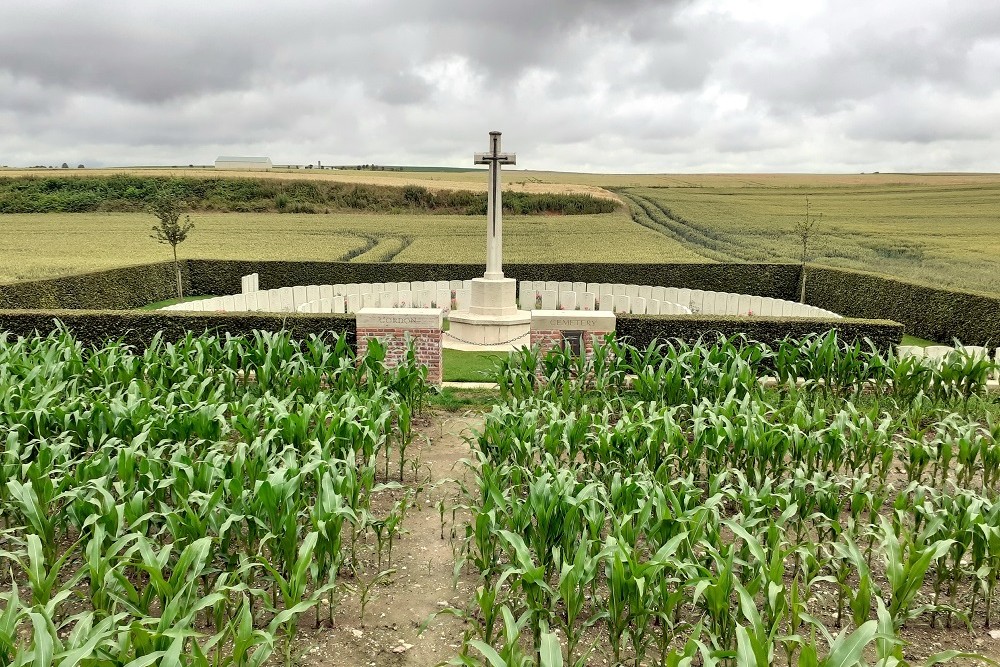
[575, 85]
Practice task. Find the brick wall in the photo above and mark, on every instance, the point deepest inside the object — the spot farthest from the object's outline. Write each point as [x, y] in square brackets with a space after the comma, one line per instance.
[397, 339]
[550, 338]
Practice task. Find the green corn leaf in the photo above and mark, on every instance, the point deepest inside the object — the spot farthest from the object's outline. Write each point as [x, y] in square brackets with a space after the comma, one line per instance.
[489, 653]
[847, 649]
[550, 653]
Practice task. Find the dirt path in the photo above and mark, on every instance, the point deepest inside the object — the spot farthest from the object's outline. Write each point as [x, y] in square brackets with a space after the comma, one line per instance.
[424, 579]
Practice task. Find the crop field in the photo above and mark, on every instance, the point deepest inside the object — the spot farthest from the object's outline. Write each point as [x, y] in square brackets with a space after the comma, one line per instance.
[945, 235]
[694, 517]
[268, 501]
[47, 245]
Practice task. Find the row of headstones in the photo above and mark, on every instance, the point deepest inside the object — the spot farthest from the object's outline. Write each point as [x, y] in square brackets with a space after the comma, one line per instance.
[650, 300]
[942, 352]
[337, 298]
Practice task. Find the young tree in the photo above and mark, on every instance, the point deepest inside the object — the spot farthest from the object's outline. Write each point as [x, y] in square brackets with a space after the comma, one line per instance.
[168, 208]
[804, 229]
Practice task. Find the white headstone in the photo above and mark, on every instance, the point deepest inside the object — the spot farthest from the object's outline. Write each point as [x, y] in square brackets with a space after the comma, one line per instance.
[353, 303]
[567, 300]
[607, 301]
[454, 284]
[405, 299]
[631, 291]
[755, 304]
[299, 296]
[525, 294]
[326, 305]
[645, 291]
[467, 284]
[339, 304]
[579, 287]
[657, 293]
[286, 300]
[653, 307]
[326, 291]
[312, 292]
[365, 288]
[387, 299]
[443, 299]
[671, 294]
[743, 307]
[228, 304]
[623, 304]
[340, 289]
[240, 303]
[606, 288]
[721, 299]
[369, 299]
[588, 301]
[766, 306]
[618, 289]
[552, 285]
[638, 306]
[538, 285]
[463, 298]
[684, 297]
[700, 301]
[550, 299]
[245, 284]
[593, 288]
[352, 288]
[378, 288]
[732, 304]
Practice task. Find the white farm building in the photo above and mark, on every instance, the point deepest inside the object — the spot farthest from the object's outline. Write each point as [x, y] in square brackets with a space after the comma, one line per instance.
[243, 163]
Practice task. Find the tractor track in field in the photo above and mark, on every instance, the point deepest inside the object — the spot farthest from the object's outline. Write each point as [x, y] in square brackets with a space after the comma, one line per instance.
[657, 217]
[386, 248]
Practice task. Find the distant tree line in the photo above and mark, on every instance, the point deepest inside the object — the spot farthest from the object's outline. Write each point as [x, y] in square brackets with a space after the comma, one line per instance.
[128, 193]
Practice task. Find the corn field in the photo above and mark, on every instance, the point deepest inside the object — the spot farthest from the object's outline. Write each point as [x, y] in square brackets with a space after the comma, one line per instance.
[193, 503]
[667, 506]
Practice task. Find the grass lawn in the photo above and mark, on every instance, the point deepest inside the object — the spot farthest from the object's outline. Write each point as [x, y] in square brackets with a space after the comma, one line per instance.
[170, 302]
[919, 342]
[461, 366]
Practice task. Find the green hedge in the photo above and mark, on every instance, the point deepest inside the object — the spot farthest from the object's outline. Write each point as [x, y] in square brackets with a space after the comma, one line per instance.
[778, 281]
[640, 330]
[95, 327]
[924, 311]
[936, 314]
[114, 289]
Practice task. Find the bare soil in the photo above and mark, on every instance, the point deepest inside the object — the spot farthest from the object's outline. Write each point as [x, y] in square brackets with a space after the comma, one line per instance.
[424, 581]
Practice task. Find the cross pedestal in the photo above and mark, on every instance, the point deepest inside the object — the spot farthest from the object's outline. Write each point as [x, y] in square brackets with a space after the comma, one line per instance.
[493, 320]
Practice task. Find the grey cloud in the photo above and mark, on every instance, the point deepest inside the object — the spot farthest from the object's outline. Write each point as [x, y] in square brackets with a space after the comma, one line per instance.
[627, 85]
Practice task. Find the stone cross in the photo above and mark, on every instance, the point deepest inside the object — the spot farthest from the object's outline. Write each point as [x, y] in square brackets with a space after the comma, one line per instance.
[494, 209]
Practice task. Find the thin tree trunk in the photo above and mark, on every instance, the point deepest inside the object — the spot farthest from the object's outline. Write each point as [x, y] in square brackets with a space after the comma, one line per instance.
[177, 271]
[802, 291]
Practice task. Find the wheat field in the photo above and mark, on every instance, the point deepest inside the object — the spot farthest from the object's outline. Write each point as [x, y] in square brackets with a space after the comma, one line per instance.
[36, 246]
[941, 234]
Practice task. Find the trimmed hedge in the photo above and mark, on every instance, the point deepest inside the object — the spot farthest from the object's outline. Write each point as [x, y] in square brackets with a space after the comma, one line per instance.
[927, 312]
[641, 330]
[114, 289]
[95, 327]
[778, 281]
[936, 314]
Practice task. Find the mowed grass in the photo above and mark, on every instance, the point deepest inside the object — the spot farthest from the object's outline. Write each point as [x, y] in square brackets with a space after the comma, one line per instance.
[470, 366]
[36, 246]
[945, 234]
